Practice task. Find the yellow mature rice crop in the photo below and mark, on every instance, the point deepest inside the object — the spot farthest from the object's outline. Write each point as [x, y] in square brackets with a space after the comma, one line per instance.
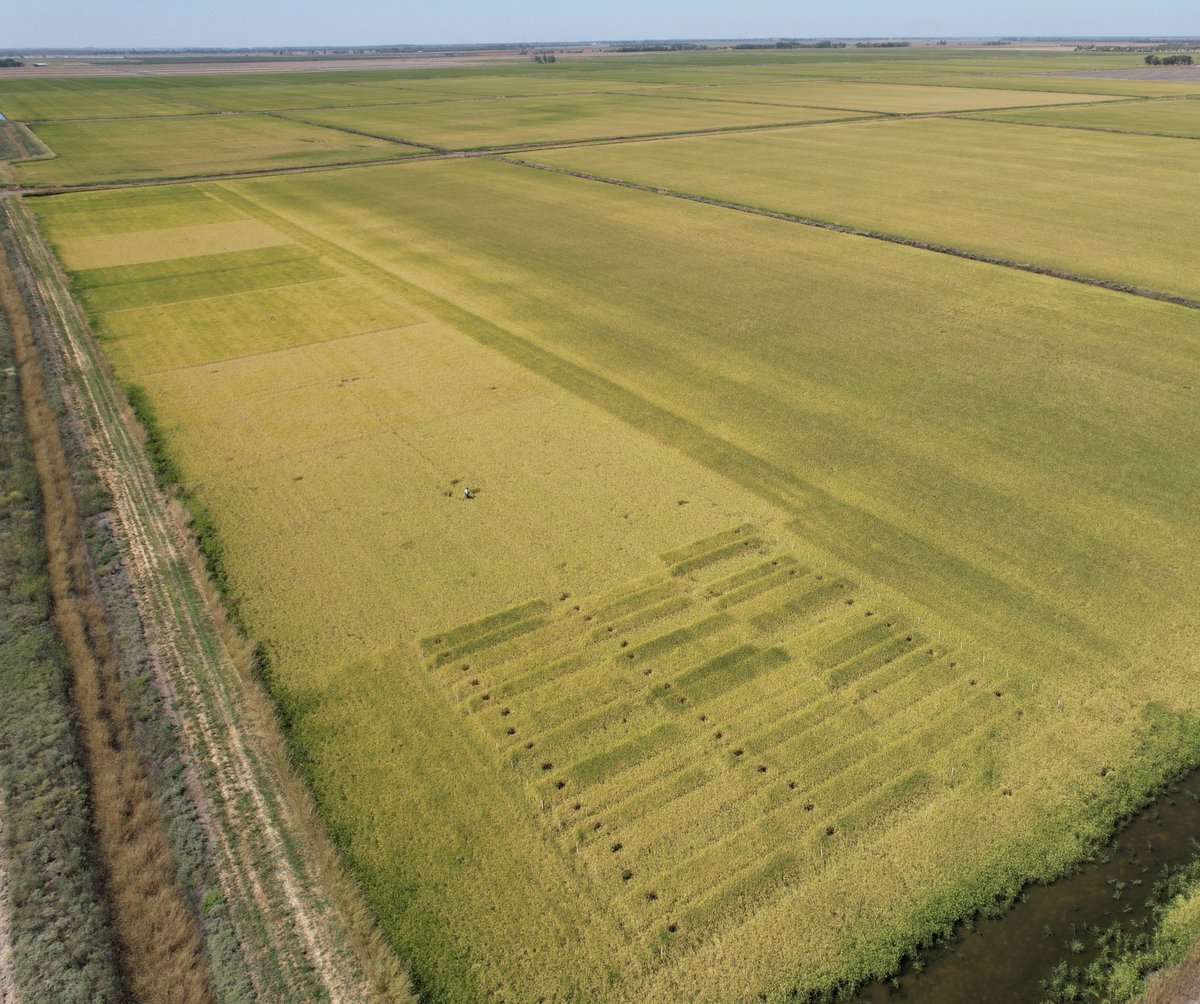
[1174, 117]
[812, 591]
[166, 243]
[1072, 200]
[94, 150]
[469, 124]
[197, 331]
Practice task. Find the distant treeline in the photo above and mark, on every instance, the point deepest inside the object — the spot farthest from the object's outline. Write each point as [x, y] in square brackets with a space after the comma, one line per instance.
[1178, 59]
[9, 61]
[791, 43]
[1159, 47]
[882, 45]
[661, 47]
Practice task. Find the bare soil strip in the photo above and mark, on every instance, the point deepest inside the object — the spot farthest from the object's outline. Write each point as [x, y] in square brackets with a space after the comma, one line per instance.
[8, 988]
[160, 945]
[808, 221]
[298, 916]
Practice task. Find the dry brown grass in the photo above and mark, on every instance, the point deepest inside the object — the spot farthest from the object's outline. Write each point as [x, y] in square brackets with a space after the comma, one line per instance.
[161, 948]
[1178, 985]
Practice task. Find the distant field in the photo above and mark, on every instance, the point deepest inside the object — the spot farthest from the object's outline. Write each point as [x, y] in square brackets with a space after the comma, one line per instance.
[877, 97]
[813, 593]
[1072, 200]
[89, 98]
[195, 145]
[64, 99]
[302, 91]
[1160, 118]
[1035, 81]
[466, 124]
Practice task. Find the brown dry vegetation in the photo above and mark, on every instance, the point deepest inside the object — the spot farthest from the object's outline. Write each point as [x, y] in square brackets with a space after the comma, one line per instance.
[160, 944]
[1180, 985]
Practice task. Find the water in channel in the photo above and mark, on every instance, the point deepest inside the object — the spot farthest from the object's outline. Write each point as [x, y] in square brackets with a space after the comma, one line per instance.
[1008, 959]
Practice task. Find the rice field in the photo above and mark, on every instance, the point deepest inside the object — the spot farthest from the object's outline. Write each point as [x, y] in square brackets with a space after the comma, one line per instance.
[812, 591]
[509, 121]
[870, 97]
[1065, 199]
[131, 149]
[48, 98]
[1155, 118]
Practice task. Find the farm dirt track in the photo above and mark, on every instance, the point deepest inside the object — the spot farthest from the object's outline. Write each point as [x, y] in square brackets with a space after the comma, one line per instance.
[252, 826]
[8, 990]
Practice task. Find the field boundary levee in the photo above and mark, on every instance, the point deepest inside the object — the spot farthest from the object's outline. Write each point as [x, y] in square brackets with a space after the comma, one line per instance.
[1033, 268]
[297, 914]
[987, 116]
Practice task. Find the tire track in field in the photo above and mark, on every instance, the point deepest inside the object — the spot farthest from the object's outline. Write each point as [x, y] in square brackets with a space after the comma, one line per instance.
[256, 816]
[877, 235]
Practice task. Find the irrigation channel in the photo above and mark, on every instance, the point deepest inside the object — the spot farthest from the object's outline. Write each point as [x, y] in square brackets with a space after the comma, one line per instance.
[1012, 957]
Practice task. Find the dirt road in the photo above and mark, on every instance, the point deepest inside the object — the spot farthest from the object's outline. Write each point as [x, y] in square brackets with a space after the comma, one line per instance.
[8, 989]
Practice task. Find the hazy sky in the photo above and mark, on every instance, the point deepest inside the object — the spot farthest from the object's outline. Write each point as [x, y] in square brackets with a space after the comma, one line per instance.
[102, 23]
